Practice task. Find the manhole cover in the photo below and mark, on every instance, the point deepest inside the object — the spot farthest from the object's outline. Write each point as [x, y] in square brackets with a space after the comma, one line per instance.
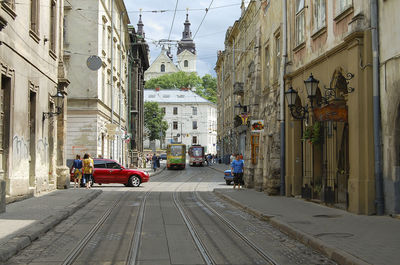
[327, 215]
[334, 235]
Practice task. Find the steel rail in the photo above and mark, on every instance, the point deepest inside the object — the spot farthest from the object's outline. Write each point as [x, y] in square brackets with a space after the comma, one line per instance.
[135, 243]
[234, 229]
[75, 252]
[203, 251]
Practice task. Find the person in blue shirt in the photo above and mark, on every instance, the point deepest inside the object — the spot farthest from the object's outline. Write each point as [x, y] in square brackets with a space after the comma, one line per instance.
[237, 167]
[76, 168]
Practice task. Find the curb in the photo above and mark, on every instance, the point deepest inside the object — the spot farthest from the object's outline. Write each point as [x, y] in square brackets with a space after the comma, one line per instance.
[337, 255]
[39, 228]
[157, 172]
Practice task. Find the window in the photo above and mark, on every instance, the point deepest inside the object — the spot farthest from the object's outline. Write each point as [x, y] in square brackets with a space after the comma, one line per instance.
[342, 5]
[194, 110]
[194, 125]
[35, 16]
[267, 66]
[163, 110]
[255, 148]
[175, 125]
[113, 165]
[186, 63]
[319, 14]
[277, 56]
[299, 22]
[163, 68]
[175, 111]
[10, 3]
[99, 164]
[194, 140]
[53, 25]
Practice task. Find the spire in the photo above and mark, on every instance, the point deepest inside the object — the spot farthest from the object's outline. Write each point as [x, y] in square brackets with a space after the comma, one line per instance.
[186, 42]
[187, 34]
[140, 25]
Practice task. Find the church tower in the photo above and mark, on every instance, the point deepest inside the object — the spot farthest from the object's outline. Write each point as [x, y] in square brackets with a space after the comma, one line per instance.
[187, 50]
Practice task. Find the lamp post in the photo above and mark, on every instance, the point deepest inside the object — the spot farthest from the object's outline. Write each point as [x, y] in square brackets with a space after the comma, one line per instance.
[298, 111]
[59, 101]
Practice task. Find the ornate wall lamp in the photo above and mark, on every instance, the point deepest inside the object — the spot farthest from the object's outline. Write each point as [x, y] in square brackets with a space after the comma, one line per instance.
[59, 101]
[300, 112]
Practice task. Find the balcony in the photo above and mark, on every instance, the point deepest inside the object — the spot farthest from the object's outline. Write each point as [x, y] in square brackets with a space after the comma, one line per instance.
[238, 89]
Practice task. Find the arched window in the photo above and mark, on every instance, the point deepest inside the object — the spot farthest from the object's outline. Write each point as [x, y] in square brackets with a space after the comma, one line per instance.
[163, 68]
[186, 63]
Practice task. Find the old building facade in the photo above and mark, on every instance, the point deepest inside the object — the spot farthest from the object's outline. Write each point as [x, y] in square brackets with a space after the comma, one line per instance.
[330, 150]
[32, 117]
[329, 130]
[390, 101]
[97, 106]
[138, 61]
[247, 74]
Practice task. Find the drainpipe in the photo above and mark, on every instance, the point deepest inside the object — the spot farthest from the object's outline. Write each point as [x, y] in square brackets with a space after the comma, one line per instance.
[112, 75]
[282, 98]
[120, 143]
[379, 200]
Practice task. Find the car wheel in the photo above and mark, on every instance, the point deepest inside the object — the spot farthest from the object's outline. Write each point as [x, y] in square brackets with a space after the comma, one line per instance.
[134, 181]
[228, 182]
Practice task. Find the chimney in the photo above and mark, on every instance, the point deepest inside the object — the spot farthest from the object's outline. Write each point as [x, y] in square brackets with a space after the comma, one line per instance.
[157, 89]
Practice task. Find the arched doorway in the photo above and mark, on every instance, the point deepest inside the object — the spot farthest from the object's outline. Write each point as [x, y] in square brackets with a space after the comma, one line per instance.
[335, 143]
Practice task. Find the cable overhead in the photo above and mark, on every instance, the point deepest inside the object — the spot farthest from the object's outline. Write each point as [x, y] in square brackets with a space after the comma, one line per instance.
[173, 20]
[201, 23]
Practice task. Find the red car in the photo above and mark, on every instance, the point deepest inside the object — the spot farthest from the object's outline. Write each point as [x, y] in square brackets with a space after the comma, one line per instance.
[110, 171]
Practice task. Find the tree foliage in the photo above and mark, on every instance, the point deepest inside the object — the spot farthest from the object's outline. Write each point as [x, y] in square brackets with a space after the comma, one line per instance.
[153, 121]
[205, 86]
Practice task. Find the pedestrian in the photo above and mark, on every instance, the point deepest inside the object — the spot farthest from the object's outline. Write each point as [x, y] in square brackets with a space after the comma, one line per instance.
[158, 161]
[154, 161]
[87, 170]
[231, 158]
[209, 159]
[237, 167]
[76, 169]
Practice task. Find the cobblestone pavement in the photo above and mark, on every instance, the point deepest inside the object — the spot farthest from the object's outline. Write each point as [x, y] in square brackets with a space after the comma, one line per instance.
[345, 237]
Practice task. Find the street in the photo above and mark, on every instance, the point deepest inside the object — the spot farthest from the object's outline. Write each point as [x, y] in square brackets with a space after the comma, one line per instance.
[173, 219]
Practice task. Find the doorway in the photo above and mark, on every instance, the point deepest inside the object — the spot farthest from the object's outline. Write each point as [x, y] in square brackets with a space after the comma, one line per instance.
[5, 98]
[32, 137]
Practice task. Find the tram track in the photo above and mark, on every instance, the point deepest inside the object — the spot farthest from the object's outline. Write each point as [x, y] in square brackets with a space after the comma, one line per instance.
[74, 254]
[207, 257]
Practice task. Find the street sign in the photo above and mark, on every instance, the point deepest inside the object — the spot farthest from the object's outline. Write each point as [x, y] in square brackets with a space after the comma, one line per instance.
[94, 62]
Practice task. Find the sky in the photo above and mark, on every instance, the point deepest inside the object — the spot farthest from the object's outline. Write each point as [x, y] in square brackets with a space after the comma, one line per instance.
[209, 36]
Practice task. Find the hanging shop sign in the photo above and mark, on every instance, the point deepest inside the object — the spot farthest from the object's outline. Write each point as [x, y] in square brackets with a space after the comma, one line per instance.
[332, 112]
[257, 126]
[244, 117]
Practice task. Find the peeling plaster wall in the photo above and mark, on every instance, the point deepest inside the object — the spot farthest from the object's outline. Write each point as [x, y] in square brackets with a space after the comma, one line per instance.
[390, 101]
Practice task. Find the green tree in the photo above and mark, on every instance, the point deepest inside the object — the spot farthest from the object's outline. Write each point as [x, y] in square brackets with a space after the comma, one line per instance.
[209, 88]
[205, 86]
[154, 124]
[175, 81]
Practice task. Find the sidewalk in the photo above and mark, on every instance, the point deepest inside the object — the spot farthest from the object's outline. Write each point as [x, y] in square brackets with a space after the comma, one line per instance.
[26, 220]
[345, 237]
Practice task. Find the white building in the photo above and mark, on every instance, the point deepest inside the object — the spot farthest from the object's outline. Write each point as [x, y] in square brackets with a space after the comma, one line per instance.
[191, 118]
[97, 99]
[186, 57]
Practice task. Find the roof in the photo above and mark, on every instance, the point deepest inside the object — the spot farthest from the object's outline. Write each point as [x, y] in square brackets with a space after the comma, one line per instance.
[173, 96]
